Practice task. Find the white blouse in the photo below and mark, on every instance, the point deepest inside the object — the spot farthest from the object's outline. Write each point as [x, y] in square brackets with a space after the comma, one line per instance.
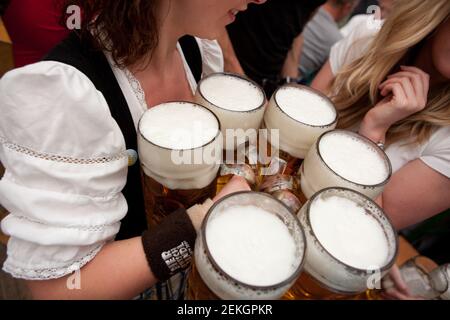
[66, 164]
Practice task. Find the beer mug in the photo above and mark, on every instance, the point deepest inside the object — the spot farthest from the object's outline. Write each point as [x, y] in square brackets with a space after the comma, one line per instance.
[239, 103]
[351, 245]
[342, 158]
[424, 279]
[301, 114]
[250, 247]
[180, 152]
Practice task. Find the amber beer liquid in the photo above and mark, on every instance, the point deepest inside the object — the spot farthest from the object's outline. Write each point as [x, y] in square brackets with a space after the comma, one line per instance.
[160, 201]
[307, 288]
[301, 115]
[179, 163]
[261, 260]
[349, 242]
[196, 288]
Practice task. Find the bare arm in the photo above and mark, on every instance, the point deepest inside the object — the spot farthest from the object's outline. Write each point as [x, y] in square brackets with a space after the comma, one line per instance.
[323, 79]
[119, 271]
[231, 61]
[415, 193]
[292, 62]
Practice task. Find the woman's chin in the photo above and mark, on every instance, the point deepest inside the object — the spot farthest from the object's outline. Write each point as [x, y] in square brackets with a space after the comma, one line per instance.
[208, 35]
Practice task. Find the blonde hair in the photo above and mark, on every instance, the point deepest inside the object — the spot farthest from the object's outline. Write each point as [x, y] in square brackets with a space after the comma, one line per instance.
[356, 86]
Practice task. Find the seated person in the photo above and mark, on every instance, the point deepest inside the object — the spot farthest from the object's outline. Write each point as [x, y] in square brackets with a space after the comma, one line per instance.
[395, 90]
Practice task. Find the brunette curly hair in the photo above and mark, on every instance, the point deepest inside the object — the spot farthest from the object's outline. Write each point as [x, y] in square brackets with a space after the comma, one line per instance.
[126, 28]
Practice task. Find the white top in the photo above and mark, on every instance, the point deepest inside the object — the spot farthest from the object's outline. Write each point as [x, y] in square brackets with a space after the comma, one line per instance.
[66, 164]
[361, 21]
[436, 151]
[353, 46]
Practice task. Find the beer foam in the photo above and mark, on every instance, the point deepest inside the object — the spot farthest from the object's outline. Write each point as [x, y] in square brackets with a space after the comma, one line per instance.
[179, 125]
[348, 233]
[305, 106]
[252, 245]
[353, 159]
[231, 93]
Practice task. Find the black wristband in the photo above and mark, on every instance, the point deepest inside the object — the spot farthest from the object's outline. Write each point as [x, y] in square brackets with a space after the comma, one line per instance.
[170, 245]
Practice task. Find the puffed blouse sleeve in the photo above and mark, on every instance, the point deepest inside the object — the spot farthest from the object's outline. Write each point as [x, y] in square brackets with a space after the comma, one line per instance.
[65, 166]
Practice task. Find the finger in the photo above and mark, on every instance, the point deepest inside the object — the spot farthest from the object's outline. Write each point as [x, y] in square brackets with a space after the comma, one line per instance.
[420, 81]
[237, 183]
[415, 79]
[240, 183]
[406, 84]
[397, 91]
[398, 295]
[415, 70]
[386, 88]
[423, 75]
[407, 89]
[394, 294]
[396, 276]
[387, 282]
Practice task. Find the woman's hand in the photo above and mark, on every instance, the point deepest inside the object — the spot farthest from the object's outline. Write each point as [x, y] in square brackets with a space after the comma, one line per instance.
[236, 184]
[395, 287]
[198, 212]
[405, 93]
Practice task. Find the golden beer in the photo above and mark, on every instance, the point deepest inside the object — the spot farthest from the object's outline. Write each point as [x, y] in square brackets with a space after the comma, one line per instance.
[295, 118]
[160, 201]
[196, 288]
[240, 104]
[179, 164]
[307, 288]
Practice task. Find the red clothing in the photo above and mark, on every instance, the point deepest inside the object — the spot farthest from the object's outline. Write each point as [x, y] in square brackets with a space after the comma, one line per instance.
[34, 28]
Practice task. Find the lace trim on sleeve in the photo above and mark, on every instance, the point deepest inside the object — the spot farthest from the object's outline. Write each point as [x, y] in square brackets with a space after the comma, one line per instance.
[85, 228]
[58, 158]
[50, 273]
